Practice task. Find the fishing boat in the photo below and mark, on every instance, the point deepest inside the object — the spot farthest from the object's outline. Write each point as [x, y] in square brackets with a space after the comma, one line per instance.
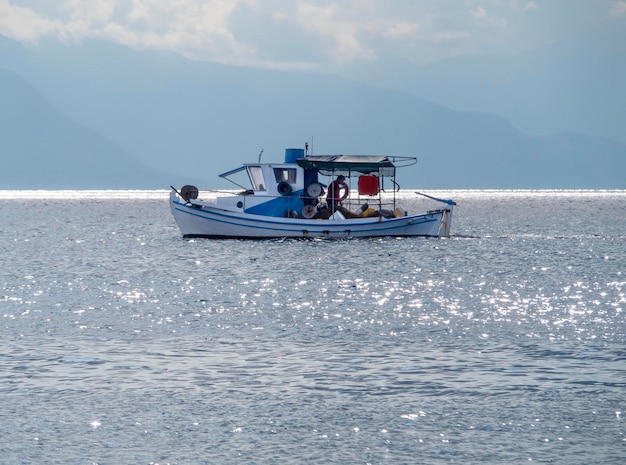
[309, 196]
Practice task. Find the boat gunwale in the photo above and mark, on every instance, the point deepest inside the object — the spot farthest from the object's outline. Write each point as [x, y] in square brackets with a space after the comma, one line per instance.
[197, 207]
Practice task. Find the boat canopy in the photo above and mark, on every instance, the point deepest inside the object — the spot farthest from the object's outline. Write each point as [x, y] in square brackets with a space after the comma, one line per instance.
[231, 172]
[331, 165]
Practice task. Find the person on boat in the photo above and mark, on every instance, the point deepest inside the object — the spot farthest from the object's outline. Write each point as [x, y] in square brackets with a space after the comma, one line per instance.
[334, 196]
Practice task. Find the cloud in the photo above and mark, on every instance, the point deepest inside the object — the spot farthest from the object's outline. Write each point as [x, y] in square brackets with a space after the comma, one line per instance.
[23, 24]
[337, 31]
[480, 13]
[195, 28]
[531, 6]
[618, 9]
[94, 12]
[303, 34]
[331, 25]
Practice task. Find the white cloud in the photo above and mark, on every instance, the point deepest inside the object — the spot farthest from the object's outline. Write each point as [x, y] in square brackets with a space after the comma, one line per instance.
[24, 24]
[619, 9]
[302, 33]
[480, 13]
[341, 30]
[531, 6]
[92, 12]
[330, 23]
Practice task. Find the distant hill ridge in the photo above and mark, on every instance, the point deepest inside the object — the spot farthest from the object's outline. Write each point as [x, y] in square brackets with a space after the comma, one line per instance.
[574, 85]
[101, 115]
[44, 149]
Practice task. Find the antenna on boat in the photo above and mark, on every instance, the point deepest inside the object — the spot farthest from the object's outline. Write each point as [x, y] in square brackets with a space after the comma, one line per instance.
[260, 153]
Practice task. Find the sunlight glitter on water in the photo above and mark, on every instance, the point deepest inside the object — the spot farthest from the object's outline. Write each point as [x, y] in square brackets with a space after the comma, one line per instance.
[508, 336]
[83, 194]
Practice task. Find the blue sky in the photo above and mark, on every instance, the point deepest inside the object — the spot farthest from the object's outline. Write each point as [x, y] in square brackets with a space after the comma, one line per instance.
[312, 35]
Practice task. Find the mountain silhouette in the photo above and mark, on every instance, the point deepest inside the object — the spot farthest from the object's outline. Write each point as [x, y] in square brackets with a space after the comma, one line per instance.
[43, 149]
[195, 119]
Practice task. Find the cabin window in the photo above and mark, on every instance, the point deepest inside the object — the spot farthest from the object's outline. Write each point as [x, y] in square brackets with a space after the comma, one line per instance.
[256, 177]
[285, 175]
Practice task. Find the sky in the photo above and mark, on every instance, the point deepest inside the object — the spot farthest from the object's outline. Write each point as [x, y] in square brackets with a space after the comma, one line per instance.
[312, 34]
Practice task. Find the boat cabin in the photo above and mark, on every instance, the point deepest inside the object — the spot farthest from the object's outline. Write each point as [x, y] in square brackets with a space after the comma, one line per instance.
[293, 189]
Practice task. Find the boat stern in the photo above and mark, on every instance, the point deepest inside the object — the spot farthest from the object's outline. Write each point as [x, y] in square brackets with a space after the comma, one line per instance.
[182, 211]
[445, 222]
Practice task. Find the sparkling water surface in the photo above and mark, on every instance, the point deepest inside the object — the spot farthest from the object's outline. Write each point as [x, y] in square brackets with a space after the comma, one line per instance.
[124, 343]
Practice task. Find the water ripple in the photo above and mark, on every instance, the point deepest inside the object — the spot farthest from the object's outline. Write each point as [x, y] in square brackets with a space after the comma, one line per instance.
[124, 343]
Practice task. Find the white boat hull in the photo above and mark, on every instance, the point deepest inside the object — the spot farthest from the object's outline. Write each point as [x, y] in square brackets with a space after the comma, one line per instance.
[200, 219]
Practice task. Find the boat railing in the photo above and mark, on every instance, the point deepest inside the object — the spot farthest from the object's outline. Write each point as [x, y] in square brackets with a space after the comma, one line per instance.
[356, 206]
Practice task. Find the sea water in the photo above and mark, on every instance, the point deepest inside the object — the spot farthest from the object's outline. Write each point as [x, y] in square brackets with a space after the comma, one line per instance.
[122, 342]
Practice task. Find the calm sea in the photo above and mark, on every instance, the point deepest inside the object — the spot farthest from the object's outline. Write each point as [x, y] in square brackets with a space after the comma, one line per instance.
[121, 342]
